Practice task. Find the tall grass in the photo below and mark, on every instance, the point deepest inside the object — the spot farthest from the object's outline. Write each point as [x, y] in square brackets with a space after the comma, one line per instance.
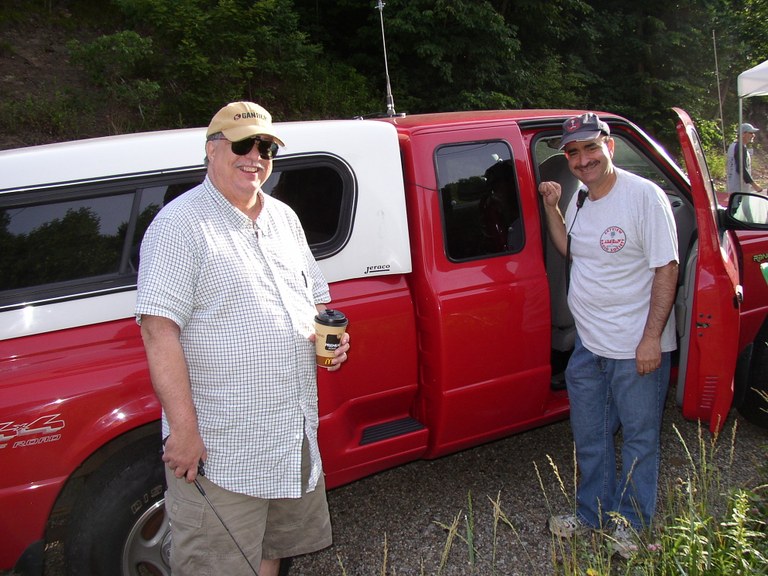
[710, 529]
[704, 528]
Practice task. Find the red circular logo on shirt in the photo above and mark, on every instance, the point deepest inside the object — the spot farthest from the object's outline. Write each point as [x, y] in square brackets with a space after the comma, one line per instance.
[613, 239]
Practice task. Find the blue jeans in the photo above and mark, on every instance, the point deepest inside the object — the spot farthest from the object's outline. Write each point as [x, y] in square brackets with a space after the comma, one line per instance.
[606, 395]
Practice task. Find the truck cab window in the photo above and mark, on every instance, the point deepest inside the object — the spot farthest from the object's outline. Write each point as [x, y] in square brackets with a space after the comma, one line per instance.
[625, 155]
[479, 200]
[322, 195]
[62, 240]
[72, 240]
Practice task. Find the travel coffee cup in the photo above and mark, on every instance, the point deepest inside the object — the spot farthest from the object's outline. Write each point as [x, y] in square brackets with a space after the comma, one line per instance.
[330, 326]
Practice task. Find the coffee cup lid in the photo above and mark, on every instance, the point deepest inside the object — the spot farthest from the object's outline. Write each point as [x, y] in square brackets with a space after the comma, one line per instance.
[331, 317]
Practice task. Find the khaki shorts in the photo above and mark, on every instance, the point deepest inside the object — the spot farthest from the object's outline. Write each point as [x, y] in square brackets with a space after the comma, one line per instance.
[279, 528]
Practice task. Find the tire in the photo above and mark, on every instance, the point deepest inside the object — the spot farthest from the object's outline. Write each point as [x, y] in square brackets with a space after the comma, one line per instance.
[754, 406]
[119, 526]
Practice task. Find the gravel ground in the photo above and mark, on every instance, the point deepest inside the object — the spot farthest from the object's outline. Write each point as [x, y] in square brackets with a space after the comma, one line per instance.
[400, 512]
[393, 523]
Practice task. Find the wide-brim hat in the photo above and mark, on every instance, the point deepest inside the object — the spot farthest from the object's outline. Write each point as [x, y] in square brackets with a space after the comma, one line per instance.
[584, 127]
[241, 120]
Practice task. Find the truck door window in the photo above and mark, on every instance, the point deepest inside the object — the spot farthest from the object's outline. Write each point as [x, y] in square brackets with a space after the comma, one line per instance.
[625, 155]
[629, 156]
[479, 200]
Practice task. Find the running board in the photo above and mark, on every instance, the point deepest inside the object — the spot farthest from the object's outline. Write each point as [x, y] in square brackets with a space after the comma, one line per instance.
[391, 429]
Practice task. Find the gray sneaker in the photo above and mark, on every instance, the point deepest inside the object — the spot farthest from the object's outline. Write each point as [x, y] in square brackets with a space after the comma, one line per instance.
[567, 526]
[624, 541]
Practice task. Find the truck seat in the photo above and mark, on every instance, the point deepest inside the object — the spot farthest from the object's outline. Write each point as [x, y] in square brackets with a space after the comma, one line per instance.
[555, 168]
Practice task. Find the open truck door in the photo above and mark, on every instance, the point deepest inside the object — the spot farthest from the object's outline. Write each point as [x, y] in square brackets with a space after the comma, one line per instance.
[711, 297]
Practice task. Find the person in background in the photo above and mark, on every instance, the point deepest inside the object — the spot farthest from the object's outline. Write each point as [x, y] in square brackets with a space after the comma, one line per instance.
[739, 165]
[624, 270]
[227, 294]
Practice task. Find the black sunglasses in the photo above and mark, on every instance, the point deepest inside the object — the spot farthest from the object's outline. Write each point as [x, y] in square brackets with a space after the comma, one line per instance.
[267, 148]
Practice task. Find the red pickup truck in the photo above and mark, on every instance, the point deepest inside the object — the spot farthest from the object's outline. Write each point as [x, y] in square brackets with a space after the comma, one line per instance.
[430, 231]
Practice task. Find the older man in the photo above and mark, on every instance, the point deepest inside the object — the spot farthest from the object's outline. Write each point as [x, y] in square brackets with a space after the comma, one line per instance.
[227, 293]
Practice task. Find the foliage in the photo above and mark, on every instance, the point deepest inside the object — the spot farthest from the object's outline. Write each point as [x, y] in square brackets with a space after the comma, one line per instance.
[710, 134]
[118, 65]
[709, 527]
[457, 55]
[56, 118]
[709, 531]
[714, 147]
[247, 50]
[170, 63]
[444, 65]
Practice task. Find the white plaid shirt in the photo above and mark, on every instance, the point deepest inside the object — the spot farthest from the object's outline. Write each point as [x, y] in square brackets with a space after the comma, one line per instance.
[243, 294]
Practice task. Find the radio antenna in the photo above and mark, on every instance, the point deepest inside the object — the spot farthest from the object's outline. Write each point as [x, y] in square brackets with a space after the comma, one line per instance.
[390, 100]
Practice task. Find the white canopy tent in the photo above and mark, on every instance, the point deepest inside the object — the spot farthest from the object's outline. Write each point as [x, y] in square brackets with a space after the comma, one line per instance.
[752, 82]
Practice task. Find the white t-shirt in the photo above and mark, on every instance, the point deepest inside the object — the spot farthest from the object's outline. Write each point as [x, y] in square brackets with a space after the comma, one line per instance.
[616, 244]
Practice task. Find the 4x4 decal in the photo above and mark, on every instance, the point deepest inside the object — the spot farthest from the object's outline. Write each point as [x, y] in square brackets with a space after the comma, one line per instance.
[42, 430]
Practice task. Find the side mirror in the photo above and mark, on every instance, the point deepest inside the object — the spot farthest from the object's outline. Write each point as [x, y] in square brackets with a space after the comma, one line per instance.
[748, 211]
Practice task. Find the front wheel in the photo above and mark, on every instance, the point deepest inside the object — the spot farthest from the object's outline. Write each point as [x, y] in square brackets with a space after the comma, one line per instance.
[754, 406]
[119, 525]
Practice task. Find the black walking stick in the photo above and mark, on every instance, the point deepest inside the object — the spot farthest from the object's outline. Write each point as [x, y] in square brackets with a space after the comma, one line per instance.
[201, 472]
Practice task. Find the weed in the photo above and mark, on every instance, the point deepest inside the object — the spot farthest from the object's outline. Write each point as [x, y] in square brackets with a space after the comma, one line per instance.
[704, 528]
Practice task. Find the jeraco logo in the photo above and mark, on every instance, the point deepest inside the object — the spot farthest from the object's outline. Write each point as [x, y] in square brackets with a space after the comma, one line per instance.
[377, 268]
[247, 115]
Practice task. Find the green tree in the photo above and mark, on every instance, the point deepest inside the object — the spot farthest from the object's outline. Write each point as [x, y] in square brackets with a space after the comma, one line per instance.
[549, 72]
[171, 63]
[442, 54]
[647, 57]
[202, 54]
[742, 42]
[118, 65]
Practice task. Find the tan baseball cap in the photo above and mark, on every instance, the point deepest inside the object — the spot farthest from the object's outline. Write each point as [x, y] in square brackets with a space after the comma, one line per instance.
[241, 120]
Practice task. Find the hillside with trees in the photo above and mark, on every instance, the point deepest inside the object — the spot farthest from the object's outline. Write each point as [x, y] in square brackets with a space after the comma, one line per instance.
[77, 68]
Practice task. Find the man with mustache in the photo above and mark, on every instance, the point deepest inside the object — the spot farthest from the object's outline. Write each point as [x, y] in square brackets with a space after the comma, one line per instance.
[622, 241]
